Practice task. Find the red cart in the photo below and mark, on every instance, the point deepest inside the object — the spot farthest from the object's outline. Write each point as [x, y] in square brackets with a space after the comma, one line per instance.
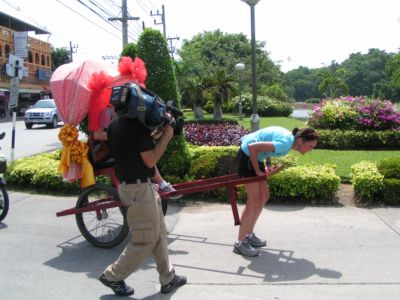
[101, 217]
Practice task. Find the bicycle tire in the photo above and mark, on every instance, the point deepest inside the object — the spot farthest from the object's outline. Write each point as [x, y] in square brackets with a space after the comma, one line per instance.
[5, 202]
[106, 228]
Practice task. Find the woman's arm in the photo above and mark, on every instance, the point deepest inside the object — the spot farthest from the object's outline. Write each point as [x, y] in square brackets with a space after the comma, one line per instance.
[254, 149]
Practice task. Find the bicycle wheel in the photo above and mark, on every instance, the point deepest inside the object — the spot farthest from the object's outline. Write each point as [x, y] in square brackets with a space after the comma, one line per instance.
[104, 228]
[4, 203]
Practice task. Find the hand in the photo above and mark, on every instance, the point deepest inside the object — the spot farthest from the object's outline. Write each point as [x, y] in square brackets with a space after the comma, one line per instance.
[260, 173]
[156, 134]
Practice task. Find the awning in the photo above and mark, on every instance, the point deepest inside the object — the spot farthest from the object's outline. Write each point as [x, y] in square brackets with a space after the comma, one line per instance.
[30, 91]
[4, 90]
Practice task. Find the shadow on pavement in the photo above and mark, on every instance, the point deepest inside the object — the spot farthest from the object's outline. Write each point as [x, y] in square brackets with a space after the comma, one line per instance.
[280, 265]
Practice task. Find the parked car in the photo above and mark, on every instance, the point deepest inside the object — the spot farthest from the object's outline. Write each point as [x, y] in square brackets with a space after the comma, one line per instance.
[42, 112]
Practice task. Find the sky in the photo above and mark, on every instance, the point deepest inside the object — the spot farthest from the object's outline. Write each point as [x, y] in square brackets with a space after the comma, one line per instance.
[310, 33]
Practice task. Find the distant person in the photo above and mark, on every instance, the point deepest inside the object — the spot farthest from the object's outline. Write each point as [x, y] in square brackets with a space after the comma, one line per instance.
[255, 148]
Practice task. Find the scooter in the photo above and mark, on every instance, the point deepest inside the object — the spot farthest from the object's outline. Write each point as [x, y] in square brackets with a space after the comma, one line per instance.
[4, 201]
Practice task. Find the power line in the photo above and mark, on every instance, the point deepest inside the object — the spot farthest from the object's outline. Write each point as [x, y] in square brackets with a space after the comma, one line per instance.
[124, 20]
[88, 19]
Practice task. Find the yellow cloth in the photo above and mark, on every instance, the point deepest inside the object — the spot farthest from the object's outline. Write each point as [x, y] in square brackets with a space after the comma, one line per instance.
[75, 151]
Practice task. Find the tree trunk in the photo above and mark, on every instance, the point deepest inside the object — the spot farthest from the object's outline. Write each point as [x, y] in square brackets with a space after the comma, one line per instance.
[218, 112]
[198, 112]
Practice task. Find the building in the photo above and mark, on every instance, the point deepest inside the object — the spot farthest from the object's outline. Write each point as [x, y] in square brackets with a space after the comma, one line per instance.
[37, 64]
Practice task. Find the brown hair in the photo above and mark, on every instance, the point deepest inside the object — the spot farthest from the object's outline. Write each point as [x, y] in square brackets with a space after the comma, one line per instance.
[307, 133]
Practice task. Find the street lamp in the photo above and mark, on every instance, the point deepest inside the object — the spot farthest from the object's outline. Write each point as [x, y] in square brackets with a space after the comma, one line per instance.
[255, 119]
[240, 67]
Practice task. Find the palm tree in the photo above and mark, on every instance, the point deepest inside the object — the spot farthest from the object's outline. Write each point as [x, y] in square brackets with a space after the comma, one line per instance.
[220, 86]
[332, 84]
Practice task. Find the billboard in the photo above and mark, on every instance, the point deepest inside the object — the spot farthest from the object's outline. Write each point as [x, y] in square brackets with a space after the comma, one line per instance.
[21, 44]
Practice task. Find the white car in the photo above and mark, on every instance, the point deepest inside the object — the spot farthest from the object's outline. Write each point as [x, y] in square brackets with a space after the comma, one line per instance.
[42, 112]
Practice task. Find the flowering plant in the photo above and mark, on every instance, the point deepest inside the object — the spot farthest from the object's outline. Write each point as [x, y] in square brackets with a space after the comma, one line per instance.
[213, 134]
[355, 113]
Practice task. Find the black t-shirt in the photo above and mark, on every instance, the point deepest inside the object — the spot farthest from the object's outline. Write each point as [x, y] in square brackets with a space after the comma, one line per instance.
[128, 138]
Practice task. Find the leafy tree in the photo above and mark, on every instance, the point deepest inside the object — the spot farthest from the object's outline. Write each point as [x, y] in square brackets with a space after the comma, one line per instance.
[364, 70]
[59, 56]
[393, 69]
[302, 83]
[152, 48]
[220, 87]
[130, 50]
[333, 84]
[275, 92]
[207, 51]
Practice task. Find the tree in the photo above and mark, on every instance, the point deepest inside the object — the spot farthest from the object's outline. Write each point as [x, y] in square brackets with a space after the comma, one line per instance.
[302, 83]
[220, 86]
[152, 48]
[393, 69]
[332, 84]
[275, 92]
[364, 70]
[59, 56]
[207, 51]
[130, 50]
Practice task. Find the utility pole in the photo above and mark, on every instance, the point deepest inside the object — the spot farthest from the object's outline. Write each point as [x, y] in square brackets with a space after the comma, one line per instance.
[172, 48]
[162, 19]
[72, 50]
[124, 20]
[169, 39]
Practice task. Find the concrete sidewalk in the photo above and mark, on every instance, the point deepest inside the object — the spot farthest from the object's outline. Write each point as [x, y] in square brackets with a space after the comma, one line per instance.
[312, 253]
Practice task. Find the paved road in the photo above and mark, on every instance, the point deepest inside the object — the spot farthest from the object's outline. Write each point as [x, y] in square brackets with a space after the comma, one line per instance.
[29, 142]
[312, 253]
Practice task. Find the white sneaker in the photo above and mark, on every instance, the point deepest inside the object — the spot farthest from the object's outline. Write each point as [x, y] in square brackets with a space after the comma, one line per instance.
[169, 188]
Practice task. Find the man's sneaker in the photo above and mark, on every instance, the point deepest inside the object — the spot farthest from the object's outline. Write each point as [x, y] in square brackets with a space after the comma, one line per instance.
[244, 248]
[176, 282]
[119, 287]
[255, 241]
[169, 188]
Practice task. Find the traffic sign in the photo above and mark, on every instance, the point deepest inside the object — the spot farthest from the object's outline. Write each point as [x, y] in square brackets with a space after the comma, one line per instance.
[14, 93]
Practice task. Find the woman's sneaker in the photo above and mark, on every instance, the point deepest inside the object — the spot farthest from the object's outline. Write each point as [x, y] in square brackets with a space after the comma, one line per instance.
[255, 241]
[244, 248]
[119, 287]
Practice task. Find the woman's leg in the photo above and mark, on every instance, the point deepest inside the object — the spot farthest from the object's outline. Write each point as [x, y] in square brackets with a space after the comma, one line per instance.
[263, 196]
[249, 211]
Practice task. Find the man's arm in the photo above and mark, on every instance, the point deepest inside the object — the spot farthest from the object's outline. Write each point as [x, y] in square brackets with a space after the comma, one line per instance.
[151, 157]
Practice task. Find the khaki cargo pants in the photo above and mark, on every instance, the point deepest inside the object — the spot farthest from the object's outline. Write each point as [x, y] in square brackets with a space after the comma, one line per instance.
[148, 231]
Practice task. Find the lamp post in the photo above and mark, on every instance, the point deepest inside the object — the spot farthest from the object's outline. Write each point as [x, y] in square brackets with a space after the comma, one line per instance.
[240, 67]
[255, 119]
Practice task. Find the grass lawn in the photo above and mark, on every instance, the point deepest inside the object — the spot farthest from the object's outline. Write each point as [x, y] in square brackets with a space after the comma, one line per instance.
[343, 159]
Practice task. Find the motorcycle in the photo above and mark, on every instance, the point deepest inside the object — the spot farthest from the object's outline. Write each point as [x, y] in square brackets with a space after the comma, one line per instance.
[4, 201]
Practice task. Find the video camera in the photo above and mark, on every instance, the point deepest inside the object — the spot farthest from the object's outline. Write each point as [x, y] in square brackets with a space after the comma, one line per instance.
[130, 100]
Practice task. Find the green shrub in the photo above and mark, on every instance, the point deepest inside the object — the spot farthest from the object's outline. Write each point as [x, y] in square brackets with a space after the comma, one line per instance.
[266, 107]
[358, 140]
[176, 159]
[390, 168]
[310, 182]
[367, 181]
[391, 195]
[210, 162]
[312, 100]
[39, 172]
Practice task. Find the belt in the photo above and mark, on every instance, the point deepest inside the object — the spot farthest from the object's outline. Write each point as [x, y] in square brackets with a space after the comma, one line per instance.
[136, 181]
